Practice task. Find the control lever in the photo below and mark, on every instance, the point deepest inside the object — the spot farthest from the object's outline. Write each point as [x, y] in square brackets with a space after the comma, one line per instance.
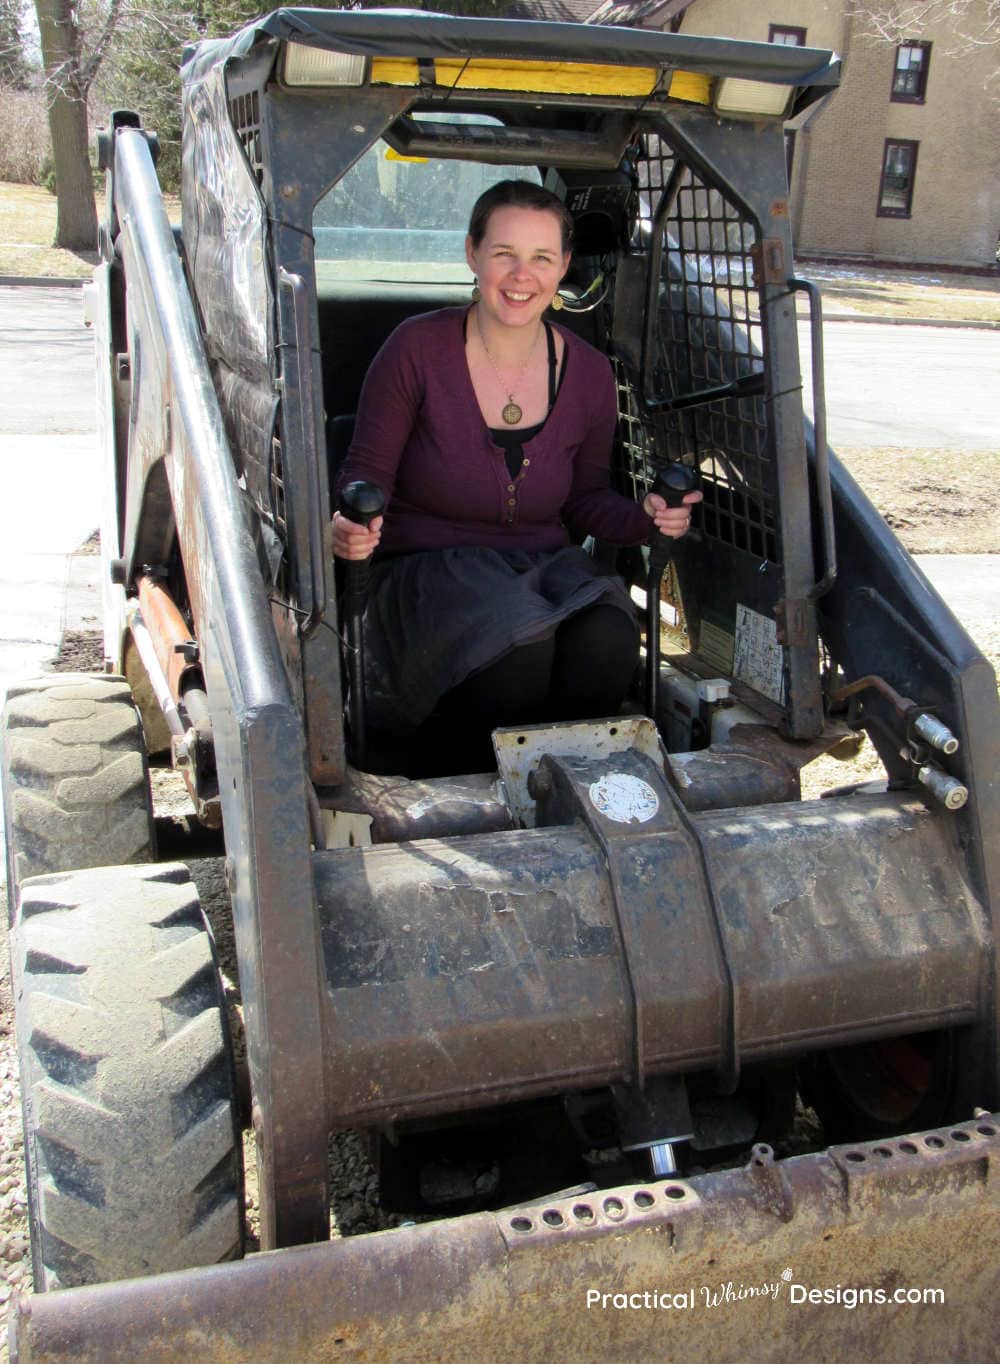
[673, 482]
[361, 503]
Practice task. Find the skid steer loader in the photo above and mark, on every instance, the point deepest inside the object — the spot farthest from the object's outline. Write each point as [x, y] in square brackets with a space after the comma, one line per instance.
[570, 1002]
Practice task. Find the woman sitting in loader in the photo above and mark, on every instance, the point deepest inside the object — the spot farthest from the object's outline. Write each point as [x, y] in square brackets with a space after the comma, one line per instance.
[489, 431]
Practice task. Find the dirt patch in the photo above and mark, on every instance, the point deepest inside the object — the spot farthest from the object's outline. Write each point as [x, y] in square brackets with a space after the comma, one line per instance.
[936, 501]
[92, 544]
[15, 1255]
[81, 651]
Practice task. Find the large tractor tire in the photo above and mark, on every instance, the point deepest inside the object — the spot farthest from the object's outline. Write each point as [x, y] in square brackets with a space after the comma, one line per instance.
[75, 780]
[875, 1090]
[132, 1143]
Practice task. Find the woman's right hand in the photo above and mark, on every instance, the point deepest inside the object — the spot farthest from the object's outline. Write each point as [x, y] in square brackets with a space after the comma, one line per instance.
[351, 541]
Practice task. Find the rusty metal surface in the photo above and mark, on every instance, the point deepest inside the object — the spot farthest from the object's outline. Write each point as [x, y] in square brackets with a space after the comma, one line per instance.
[401, 809]
[724, 775]
[778, 1260]
[474, 971]
[621, 803]
[754, 765]
[322, 704]
[520, 749]
[170, 633]
[848, 923]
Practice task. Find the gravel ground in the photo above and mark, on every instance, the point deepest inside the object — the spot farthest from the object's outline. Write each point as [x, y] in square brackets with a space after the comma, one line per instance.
[354, 1187]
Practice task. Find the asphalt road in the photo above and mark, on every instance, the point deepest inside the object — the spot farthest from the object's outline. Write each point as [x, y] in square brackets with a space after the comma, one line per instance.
[914, 387]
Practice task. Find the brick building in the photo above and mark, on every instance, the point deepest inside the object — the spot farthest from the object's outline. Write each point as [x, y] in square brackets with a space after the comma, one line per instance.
[903, 162]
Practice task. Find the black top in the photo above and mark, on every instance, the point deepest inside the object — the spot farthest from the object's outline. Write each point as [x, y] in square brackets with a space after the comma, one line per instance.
[512, 440]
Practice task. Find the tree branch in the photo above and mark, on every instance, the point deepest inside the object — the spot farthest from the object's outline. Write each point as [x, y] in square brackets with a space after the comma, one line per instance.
[90, 67]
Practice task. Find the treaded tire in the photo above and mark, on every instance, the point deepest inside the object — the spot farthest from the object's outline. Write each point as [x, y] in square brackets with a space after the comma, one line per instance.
[872, 1091]
[75, 781]
[131, 1133]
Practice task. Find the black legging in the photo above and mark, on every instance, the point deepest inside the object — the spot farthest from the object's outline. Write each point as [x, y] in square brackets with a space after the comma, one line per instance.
[581, 672]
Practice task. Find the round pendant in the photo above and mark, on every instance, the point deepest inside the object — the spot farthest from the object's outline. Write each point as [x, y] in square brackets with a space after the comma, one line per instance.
[512, 414]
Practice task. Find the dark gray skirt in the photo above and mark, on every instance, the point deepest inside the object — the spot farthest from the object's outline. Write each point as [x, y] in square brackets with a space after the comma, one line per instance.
[435, 618]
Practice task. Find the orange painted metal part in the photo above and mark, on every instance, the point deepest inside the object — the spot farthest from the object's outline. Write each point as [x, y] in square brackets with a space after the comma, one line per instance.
[169, 631]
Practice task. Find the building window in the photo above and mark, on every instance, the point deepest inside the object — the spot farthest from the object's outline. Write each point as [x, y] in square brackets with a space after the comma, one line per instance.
[899, 169]
[789, 37]
[909, 77]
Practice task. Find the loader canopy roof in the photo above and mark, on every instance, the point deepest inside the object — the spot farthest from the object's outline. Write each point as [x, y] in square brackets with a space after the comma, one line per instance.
[410, 47]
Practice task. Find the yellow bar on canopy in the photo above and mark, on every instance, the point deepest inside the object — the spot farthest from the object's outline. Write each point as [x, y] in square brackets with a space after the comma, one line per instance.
[562, 78]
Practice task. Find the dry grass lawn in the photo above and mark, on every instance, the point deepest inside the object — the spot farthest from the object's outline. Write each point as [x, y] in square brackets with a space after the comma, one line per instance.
[905, 294]
[27, 228]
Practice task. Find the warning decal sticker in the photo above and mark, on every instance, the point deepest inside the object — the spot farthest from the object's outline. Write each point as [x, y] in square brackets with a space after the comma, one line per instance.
[759, 660]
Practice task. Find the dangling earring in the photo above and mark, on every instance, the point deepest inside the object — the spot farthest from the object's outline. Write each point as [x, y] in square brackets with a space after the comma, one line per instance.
[557, 302]
[476, 295]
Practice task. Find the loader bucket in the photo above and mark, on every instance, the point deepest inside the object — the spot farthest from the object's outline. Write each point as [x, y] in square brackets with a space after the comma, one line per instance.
[838, 1251]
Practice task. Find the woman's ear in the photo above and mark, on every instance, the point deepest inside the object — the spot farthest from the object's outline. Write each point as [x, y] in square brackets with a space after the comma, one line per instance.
[567, 257]
[470, 254]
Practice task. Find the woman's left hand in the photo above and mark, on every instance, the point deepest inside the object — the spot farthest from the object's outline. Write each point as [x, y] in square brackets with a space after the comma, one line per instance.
[672, 521]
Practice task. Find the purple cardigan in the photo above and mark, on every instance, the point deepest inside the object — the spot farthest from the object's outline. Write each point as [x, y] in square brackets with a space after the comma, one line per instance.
[421, 438]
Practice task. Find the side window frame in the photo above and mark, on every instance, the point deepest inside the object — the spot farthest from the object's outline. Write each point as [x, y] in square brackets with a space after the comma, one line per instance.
[889, 211]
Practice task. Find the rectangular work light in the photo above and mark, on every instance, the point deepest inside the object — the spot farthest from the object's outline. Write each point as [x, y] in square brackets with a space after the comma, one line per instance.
[733, 95]
[318, 66]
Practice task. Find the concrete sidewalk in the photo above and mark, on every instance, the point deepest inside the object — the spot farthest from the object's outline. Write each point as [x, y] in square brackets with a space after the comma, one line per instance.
[47, 588]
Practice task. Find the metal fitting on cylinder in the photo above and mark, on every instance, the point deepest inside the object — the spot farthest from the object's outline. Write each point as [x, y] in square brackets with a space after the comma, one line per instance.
[948, 790]
[933, 732]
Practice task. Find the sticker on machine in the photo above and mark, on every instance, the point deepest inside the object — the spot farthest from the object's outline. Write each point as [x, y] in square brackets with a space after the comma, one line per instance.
[623, 798]
[759, 659]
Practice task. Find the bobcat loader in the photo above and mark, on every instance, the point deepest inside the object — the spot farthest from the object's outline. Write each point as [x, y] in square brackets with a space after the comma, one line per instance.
[577, 1006]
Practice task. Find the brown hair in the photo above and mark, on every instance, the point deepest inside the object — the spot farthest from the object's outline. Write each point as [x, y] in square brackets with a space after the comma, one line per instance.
[519, 194]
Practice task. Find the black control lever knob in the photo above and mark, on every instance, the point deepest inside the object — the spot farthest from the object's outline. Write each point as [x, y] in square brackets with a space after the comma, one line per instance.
[361, 502]
[674, 481]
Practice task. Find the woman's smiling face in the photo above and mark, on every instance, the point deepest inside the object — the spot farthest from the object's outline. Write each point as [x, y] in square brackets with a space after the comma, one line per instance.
[518, 263]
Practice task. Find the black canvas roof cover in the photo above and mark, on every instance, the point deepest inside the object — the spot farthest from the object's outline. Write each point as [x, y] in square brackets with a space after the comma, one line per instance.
[417, 33]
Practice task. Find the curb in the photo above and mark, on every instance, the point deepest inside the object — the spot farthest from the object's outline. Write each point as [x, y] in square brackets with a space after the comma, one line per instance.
[871, 319]
[47, 281]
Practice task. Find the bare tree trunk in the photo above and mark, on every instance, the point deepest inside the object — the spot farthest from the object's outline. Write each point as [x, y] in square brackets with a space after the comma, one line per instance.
[66, 89]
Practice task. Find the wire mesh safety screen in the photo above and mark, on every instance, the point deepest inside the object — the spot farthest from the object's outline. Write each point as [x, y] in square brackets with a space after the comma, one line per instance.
[707, 336]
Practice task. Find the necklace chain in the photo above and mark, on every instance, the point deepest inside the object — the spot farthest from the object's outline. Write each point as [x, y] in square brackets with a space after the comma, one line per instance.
[512, 412]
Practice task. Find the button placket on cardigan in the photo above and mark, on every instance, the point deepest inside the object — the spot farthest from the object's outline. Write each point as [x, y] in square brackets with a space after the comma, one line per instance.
[509, 486]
